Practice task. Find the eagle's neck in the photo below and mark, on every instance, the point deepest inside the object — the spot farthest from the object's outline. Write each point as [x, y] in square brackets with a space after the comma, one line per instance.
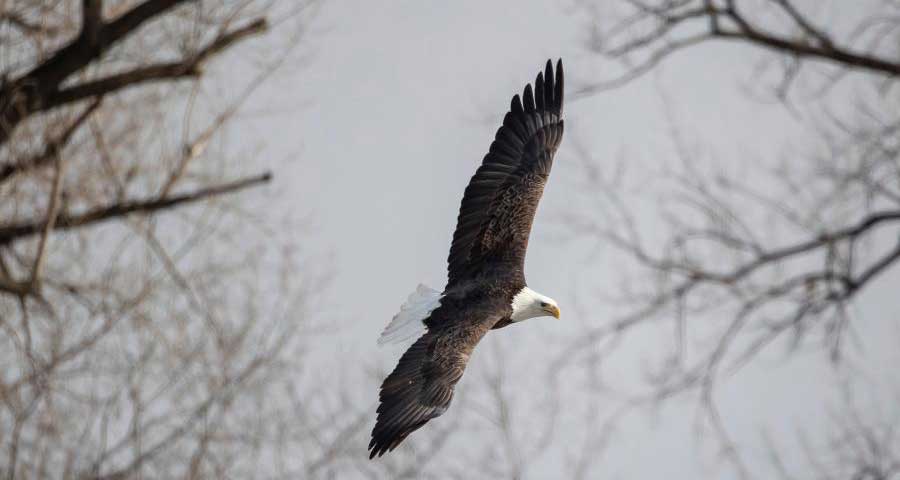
[529, 304]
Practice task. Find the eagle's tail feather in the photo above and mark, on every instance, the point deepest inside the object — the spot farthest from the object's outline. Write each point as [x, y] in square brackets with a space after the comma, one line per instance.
[409, 322]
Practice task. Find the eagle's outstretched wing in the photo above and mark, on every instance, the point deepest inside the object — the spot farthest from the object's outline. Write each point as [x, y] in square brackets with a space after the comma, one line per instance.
[421, 386]
[499, 204]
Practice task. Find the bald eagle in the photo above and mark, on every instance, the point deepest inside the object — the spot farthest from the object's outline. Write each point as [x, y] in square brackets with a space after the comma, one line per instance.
[486, 280]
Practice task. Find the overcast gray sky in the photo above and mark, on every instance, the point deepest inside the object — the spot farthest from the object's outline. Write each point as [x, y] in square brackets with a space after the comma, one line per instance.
[400, 102]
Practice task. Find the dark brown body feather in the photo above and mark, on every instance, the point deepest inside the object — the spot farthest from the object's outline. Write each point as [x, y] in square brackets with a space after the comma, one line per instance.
[485, 266]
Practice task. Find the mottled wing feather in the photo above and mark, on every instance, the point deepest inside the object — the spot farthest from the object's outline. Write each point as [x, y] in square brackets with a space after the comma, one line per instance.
[421, 386]
[500, 201]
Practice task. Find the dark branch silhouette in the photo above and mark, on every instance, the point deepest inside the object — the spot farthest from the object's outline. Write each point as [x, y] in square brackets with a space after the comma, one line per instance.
[9, 233]
[667, 22]
[39, 89]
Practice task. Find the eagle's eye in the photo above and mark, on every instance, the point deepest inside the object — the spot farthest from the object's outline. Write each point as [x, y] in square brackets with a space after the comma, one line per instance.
[543, 304]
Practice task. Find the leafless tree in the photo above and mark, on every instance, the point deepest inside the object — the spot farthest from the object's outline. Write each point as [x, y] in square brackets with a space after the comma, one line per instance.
[771, 252]
[142, 332]
[861, 443]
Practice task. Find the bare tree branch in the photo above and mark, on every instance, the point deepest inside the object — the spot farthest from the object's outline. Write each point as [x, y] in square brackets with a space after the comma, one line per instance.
[23, 24]
[726, 22]
[126, 347]
[52, 149]
[186, 68]
[736, 264]
[23, 96]
[64, 221]
[91, 21]
[50, 223]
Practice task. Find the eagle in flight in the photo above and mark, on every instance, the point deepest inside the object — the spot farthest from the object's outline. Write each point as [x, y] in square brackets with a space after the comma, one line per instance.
[486, 286]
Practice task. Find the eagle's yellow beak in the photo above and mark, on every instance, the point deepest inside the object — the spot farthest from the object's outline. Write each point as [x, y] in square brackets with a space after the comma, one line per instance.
[553, 310]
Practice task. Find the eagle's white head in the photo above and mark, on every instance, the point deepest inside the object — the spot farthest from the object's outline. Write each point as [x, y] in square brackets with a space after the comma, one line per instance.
[529, 304]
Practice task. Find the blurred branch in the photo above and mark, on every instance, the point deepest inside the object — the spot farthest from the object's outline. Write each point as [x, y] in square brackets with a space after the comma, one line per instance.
[52, 216]
[65, 221]
[710, 20]
[38, 90]
[185, 68]
[718, 271]
[218, 396]
[52, 147]
[25, 25]
[91, 21]
[777, 255]
[32, 286]
[820, 36]
[80, 52]
[825, 51]
[126, 346]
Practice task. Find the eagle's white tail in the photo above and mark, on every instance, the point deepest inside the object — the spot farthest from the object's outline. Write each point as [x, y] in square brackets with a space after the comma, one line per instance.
[409, 322]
